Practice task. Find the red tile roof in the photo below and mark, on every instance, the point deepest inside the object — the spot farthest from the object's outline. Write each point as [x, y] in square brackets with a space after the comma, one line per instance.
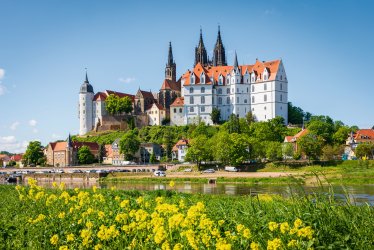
[182, 142]
[17, 157]
[108, 150]
[364, 134]
[61, 146]
[215, 71]
[101, 96]
[170, 85]
[178, 102]
[297, 136]
[159, 106]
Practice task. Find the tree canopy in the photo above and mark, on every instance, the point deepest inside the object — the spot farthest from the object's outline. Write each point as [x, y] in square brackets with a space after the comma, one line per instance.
[215, 115]
[34, 154]
[129, 145]
[116, 105]
[85, 156]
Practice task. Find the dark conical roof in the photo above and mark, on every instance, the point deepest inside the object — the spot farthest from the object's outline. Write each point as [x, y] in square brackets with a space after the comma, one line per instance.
[236, 61]
[219, 55]
[170, 55]
[86, 87]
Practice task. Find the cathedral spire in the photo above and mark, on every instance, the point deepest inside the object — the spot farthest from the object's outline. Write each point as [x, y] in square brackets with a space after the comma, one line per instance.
[171, 68]
[219, 56]
[200, 52]
[236, 61]
[170, 55]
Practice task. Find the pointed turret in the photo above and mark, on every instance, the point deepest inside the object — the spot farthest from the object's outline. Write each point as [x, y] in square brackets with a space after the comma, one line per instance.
[219, 56]
[86, 87]
[69, 143]
[200, 52]
[171, 67]
[236, 61]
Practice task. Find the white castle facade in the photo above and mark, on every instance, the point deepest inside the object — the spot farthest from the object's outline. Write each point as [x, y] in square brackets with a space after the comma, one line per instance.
[260, 88]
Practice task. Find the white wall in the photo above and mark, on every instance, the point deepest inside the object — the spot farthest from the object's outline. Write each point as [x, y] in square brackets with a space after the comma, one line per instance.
[85, 112]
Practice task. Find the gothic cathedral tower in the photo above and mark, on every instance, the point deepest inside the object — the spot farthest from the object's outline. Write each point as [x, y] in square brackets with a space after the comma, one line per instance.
[200, 52]
[171, 68]
[86, 95]
[219, 56]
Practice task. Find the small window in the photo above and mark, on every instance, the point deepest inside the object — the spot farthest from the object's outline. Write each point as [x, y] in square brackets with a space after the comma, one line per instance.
[281, 77]
[219, 100]
[265, 108]
[228, 81]
[228, 100]
[237, 99]
[191, 109]
[265, 86]
[202, 90]
[175, 110]
[281, 87]
[220, 91]
[84, 104]
[203, 109]
[191, 90]
[191, 100]
[247, 90]
[227, 91]
[265, 98]
[237, 90]
[253, 99]
[203, 99]
[232, 90]
[281, 98]
[180, 110]
[245, 100]
[253, 88]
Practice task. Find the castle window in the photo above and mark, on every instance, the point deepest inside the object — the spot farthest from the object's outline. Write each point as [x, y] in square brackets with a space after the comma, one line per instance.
[237, 90]
[202, 78]
[253, 88]
[245, 100]
[192, 79]
[228, 100]
[253, 99]
[202, 99]
[265, 98]
[237, 80]
[281, 87]
[84, 104]
[228, 91]
[202, 109]
[202, 90]
[84, 111]
[191, 99]
[281, 77]
[265, 108]
[180, 110]
[265, 77]
[175, 110]
[247, 89]
[237, 99]
[228, 81]
[220, 91]
[219, 100]
[191, 109]
[232, 90]
[265, 87]
[281, 98]
[191, 90]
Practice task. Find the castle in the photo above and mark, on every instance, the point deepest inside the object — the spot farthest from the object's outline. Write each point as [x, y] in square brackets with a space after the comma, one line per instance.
[260, 88]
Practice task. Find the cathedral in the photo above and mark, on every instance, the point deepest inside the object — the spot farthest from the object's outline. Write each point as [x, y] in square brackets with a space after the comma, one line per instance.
[260, 88]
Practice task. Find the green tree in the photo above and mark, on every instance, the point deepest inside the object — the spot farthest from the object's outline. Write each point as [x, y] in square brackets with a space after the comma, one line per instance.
[287, 150]
[198, 150]
[116, 105]
[167, 140]
[238, 149]
[341, 135]
[322, 126]
[295, 114]
[152, 158]
[364, 150]
[249, 117]
[215, 115]
[34, 154]
[273, 150]
[330, 152]
[221, 143]
[85, 156]
[233, 125]
[311, 145]
[129, 145]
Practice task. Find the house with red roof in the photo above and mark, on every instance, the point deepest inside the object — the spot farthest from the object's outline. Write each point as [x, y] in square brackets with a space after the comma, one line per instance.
[179, 150]
[177, 112]
[293, 139]
[354, 139]
[156, 114]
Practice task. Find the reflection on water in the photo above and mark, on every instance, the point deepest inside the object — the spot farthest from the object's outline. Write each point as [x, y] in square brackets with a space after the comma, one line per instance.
[355, 194]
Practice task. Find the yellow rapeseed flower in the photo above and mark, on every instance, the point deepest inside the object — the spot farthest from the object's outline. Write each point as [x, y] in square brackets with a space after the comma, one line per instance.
[165, 246]
[305, 232]
[140, 200]
[274, 244]
[292, 243]
[94, 188]
[246, 233]
[63, 248]
[221, 222]
[298, 223]
[70, 238]
[255, 246]
[172, 184]
[273, 226]
[284, 227]
[125, 203]
[61, 215]
[240, 228]
[178, 246]
[54, 239]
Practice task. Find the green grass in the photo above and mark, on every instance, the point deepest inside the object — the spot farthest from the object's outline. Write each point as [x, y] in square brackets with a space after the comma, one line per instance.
[336, 225]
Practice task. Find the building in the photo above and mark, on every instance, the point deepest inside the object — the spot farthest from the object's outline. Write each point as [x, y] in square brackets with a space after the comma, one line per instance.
[177, 112]
[17, 158]
[180, 150]
[156, 114]
[4, 160]
[293, 139]
[260, 88]
[146, 150]
[65, 153]
[354, 139]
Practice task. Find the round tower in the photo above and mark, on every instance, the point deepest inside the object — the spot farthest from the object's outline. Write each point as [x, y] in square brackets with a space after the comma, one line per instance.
[86, 95]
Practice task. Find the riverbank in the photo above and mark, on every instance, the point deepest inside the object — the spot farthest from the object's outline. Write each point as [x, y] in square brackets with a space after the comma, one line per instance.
[115, 219]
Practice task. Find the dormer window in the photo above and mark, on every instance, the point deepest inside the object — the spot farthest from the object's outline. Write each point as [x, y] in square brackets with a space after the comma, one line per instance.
[220, 80]
[192, 79]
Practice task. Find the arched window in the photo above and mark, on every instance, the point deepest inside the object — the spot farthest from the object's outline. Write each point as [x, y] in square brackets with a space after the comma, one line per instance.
[228, 100]
[265, 98]
[191, 100]
[219, 100]
[247, 90]
[220, 80]
[253, 99]
[220, 91]
[202, 90]
[192, 79]
[202, 99]
[175, 110]
[191, 90]
[253, 88]
[281, 77]
[202, 78]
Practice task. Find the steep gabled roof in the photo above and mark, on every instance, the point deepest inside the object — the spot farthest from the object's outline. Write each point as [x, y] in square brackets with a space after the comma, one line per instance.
[178, 102]
[159, 106]
[182, 142]
[364, 134]
[171, 85]
[101, 96]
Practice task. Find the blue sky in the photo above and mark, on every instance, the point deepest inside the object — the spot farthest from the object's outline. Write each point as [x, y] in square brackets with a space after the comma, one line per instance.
[326, 47]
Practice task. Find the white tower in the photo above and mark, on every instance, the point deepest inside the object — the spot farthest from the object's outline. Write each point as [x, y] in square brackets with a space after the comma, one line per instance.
[85, 115]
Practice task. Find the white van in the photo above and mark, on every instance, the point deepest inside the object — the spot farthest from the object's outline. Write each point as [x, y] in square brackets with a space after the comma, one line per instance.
[231, 169]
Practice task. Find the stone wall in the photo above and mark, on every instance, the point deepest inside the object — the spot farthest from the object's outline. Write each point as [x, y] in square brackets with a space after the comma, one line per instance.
[119, 122]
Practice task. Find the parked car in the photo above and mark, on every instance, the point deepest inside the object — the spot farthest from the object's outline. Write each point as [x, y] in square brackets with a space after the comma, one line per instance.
[188, 170]
[210, 170]
[160, 173]
[231, 169]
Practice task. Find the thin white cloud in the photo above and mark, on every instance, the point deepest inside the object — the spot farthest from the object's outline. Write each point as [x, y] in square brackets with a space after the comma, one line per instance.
[56, 136]
[33, 123]
[2, 73]
[126, 80]
[2, 89]
[10, 144]
[14, 125]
